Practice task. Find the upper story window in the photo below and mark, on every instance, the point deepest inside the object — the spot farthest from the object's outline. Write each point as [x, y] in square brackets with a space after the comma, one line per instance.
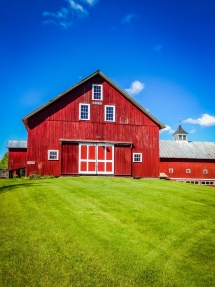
[137, 157]
[97, 92]
[188, 170]
[170, 170]
[53, 154]
[84, 111]
[110, 113]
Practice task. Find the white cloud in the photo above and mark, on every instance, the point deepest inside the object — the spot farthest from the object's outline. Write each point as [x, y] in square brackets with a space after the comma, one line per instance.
[167, 129]
[157, 48]
[91, 2]
[205, 121]
[135, 88]
[192, 131]
[77, 7]
[127, 18]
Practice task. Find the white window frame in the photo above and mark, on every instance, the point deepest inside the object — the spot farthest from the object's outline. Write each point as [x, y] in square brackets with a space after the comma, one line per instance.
[49, 154]
[171, 170]
[205, 171]
[188, 170]
[137, 154]
[80, 105]
[109, 106]
[97, 85]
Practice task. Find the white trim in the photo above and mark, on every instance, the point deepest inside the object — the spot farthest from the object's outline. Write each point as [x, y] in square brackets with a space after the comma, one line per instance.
[82, 104]
[139, 154]
[97, 85]
[109, 106]
[55, 151]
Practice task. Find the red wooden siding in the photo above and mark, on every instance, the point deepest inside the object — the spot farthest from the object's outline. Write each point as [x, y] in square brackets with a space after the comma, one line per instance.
[180, 165]
[69, 159]
[123, 158]
[60, 120]
[17, 158]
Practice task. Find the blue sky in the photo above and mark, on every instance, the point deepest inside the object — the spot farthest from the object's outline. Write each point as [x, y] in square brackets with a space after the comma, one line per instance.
[161, 52]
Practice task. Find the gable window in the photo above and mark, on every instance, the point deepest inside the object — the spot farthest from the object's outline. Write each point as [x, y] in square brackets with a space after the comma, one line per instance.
[84, 111]
[137, 157]
[188, 170]
[97, 92]
[53, 154]
[205, 171]
[170, 170]
[110, 113]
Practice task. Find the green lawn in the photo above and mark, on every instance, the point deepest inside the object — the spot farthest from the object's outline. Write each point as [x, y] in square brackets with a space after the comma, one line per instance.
[100, 231]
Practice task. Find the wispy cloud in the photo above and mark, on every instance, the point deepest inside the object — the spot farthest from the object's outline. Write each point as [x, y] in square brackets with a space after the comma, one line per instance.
[127, 18]
[167, 129]
[205, 120]
[135, 88]
[66, 15]
[192, 131]
[157, 48]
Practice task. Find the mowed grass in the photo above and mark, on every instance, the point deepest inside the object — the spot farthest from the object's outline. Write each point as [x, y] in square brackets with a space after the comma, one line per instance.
[100, 231]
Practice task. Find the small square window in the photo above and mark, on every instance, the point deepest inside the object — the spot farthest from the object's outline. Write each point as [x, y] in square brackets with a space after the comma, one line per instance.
[205, 171]
[137, 157]
[53, 154]
[170, 170]
[110, 113]
[84, 111]
[188, 170]
[97, 91]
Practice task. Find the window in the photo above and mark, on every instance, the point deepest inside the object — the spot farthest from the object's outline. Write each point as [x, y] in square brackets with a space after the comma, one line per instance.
[137, 157]
[205, 171]
[84, 111]
[110, 113]
[53, 154]
[97, 92]
[188, 170]
[170, 170]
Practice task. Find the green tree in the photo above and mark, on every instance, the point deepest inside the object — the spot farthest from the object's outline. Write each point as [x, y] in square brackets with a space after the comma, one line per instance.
[4, 161]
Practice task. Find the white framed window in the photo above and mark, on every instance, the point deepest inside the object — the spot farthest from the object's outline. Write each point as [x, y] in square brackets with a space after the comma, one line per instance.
[170, 170]
[97, 91]
[110, 113]
[205, 171]
[53, 154]
[137, 157]
[188, 170]
[84, 111]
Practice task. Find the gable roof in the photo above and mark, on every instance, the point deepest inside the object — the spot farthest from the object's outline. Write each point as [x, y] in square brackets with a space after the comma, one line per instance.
[98, 72]
[180, 131]
[187, 149]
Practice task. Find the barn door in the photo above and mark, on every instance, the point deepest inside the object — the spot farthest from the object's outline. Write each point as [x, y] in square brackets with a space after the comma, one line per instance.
[96, 159]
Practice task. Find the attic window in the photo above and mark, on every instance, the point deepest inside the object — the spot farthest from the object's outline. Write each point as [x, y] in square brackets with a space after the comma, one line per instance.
[84, 111]
[110, 113]
[97, 91]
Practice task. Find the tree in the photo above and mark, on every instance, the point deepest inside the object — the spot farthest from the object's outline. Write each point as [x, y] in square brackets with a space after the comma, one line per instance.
[4, 161]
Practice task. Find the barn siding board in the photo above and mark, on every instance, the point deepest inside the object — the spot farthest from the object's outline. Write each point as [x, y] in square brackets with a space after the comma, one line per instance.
[123, 159]
[69, 159]
[17, 158]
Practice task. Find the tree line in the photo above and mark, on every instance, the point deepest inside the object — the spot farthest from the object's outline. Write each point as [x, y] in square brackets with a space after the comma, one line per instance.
[4, 161]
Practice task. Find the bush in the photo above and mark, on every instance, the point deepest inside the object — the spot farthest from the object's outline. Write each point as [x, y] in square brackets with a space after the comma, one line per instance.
[15, 176]
[34, 176]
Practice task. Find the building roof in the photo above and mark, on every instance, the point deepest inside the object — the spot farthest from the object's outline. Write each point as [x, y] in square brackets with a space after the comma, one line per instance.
[16, 144]
[187, 149]
[180, 131]
[98, 72]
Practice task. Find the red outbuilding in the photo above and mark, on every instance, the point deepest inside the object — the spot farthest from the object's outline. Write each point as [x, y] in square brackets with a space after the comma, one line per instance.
[93, 128]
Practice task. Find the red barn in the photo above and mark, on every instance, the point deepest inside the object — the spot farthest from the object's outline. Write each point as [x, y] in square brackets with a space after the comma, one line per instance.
[183, 160]
[17, 157]
[93, 128]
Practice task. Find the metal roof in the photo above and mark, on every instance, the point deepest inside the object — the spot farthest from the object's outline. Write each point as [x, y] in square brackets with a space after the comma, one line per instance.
[16, 144]
[180, 131]
[98, 72]
[187, 149]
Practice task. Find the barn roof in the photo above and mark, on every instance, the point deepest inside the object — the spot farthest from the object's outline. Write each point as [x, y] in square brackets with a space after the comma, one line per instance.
[16, 144]
[187, 149]
[98, 72]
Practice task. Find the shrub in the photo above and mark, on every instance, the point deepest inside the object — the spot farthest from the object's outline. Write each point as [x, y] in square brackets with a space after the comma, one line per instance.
[34, 176]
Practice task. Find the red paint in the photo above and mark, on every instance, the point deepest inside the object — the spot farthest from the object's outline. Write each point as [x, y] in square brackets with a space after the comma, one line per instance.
[17, 158]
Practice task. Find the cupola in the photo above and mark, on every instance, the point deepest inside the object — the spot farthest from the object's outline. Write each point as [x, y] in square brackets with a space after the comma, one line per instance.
[180, 134]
